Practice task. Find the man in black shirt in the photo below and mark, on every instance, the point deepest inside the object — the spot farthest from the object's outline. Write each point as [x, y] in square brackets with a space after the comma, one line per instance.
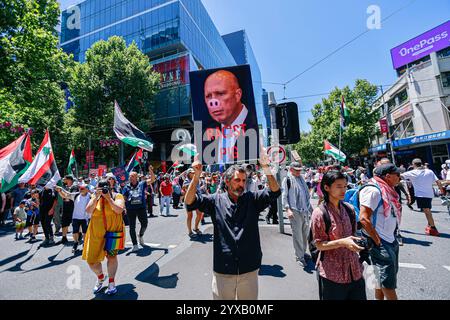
[68, 206]
[47, 204]
[234, 213]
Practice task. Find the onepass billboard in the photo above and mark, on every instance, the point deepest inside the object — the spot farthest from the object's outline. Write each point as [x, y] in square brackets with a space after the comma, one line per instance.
[421, 46]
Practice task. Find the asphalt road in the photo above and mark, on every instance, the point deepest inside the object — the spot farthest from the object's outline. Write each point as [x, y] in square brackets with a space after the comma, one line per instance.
[174, 267]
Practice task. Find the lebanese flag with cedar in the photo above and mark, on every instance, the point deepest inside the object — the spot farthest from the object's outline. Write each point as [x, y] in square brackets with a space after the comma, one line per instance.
[43, 170]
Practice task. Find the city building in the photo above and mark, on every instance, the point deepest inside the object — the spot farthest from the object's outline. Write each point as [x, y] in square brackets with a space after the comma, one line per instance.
[417, 106]
[177, 35]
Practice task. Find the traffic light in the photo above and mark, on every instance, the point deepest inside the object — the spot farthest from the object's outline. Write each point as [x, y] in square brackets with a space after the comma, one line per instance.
[284, 117]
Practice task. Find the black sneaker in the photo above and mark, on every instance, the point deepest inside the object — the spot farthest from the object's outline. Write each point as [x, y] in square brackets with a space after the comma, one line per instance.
[275, 222]
[267, 220]
[64, 240]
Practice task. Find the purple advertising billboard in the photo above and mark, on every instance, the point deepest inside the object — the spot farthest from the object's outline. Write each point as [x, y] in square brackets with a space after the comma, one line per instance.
[421, 46]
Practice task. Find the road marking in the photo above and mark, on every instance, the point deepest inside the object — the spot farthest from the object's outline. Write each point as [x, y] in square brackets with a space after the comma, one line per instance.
[153, 245]
[447, 267]
[172, 246]
[411, 266]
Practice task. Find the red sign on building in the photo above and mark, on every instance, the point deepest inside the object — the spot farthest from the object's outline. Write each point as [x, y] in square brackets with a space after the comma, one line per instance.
[174, 72]
[384, 126]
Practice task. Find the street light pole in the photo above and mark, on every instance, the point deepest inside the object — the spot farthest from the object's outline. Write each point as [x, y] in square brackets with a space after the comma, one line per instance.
[275, 141]
[389, 136]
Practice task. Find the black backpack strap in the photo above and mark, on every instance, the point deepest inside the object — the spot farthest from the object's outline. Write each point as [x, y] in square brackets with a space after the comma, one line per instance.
[288, 182]
[326, 219]
[351, 215]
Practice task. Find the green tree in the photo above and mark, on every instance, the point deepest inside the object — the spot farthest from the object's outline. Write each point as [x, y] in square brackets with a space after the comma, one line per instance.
[325, 122]
[111, 71]
[32, 69]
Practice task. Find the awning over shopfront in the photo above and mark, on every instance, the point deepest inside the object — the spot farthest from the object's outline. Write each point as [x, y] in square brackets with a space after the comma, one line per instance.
[444, 135]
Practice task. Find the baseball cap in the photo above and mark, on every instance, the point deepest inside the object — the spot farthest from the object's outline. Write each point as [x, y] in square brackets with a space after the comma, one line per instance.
[385, 169]
[190, 170]
[296, 166]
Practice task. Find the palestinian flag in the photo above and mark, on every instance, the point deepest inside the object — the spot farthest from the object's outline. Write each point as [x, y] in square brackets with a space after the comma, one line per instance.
[177, 164]
[135, 161]
[71, 168]
[189, 149]
[344, 114]
[128, 133]
[15, 159]
[43, 170]
[334, 152]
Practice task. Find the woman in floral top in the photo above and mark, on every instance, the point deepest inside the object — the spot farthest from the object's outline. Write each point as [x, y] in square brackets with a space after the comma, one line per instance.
[339, 268]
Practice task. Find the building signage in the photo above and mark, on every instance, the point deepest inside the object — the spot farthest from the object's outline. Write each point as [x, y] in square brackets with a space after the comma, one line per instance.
[384, 126]
[401, 112]
[174, 72]
[422, 139]
[421, 46]
[381, 147]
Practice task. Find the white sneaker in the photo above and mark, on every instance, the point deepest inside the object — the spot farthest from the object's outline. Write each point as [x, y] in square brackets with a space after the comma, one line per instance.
[135, 248]
[98, 286]
[111, 289]
[141, 241]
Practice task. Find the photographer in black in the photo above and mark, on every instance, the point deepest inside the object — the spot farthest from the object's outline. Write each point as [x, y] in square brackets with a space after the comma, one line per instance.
[134, 194]
[333, 228]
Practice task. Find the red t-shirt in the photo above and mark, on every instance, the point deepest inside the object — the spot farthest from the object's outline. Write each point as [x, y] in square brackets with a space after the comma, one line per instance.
[166, 188]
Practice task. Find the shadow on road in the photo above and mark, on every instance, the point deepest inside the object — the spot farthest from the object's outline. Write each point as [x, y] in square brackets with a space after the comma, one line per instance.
[273, 271]
[151, 276]
[124, 292]
[146, 251]
[203, 238]
[54, 263]
[441, 235]
[416, 242]
[14, 257]
[7, 230]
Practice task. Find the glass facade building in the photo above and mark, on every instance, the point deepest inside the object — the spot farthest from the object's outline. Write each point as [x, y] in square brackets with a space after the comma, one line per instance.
[177, 35]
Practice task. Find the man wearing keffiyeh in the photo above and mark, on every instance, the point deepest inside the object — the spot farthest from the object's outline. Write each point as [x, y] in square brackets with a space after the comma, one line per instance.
[380, 215]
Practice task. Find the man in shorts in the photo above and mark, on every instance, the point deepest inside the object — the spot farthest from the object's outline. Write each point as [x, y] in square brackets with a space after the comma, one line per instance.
[423, 180]
[68, 206]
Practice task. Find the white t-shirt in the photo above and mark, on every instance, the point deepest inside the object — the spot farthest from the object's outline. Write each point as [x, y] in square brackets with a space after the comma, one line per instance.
[370, 197]
[422, 180]
[80, 204]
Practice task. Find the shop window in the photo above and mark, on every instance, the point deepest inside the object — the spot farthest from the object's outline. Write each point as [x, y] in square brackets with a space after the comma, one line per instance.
[444, 53]
[445, 76]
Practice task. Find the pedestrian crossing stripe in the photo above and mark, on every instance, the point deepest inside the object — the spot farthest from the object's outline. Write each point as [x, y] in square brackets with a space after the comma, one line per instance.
[154, 245]
[447, 267]
[411, 266]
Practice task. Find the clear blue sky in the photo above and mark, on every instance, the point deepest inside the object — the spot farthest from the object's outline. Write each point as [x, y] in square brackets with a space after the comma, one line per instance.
[288, 36]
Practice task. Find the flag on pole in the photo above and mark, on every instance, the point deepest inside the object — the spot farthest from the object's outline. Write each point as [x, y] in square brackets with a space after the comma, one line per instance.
[135, 161]
[344, 114]
[43, 170]
[334, 152]
[15, 159]
[72, 163]
[128, 133]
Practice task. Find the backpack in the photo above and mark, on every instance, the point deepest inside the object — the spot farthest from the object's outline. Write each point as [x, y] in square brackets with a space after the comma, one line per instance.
[352, 197]
[176, 188]
[327, 220]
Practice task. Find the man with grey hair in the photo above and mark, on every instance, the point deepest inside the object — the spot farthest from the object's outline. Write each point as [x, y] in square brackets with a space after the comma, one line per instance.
[423, 180]
[297, 203]
[234, 214]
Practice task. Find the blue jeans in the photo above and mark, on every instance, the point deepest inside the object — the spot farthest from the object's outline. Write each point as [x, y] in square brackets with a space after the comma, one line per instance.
[165, 201]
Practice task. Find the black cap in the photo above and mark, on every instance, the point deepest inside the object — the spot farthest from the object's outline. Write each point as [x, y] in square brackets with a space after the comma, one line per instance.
[384, 169]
